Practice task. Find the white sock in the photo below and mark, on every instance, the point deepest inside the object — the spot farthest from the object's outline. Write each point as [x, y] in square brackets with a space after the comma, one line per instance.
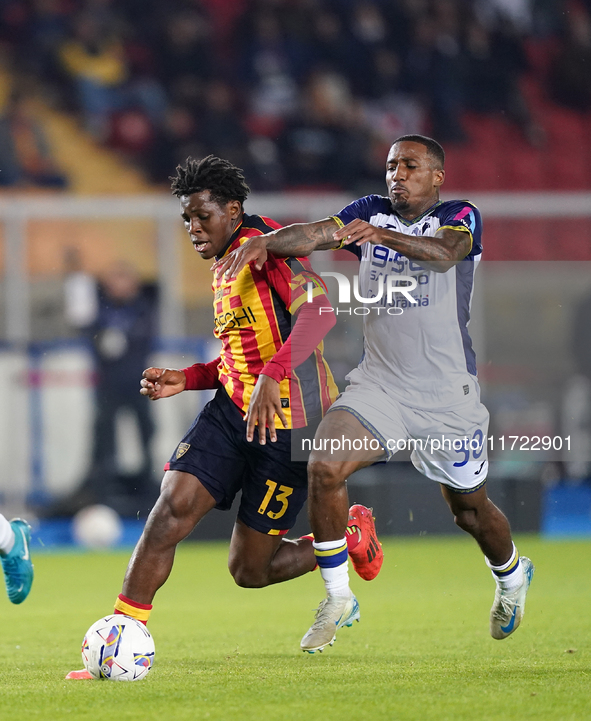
[333, 562]
[509, 576]
[6, 536]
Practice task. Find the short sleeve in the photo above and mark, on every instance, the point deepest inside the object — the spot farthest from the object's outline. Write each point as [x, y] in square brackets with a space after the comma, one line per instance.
[364, 209]
[464, 216]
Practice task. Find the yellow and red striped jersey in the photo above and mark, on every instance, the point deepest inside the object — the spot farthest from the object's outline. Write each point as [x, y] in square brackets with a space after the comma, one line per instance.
[253, 319]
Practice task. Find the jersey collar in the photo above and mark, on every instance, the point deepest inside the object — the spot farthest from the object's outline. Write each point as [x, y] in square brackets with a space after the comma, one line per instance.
[422, 215]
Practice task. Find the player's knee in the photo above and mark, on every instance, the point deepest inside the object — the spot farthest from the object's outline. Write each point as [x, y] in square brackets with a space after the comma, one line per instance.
[163, 528]
[182, 497]
[247, 577]
[171, 518]
[324, 475]
[167, 507]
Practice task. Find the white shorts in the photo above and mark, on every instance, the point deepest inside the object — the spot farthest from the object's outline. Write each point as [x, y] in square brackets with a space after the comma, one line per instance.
[448, 446]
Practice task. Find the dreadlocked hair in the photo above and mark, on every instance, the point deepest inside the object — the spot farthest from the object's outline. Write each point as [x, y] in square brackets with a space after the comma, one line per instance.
[224, 181]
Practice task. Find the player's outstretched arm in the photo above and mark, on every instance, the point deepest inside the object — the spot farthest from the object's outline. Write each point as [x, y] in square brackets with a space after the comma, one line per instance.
[162, 383]
[439, 253]
[296, 240]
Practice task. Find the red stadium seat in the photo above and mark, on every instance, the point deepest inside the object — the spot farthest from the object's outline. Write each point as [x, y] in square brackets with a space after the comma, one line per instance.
[571, 238]
[567, 150]
[516, 240]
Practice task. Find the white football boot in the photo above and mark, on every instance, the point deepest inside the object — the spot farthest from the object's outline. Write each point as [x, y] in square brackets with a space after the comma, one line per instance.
[508, 607]
[333, 613]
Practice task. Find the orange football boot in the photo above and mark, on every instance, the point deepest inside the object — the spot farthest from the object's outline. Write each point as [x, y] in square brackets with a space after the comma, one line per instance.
[367, 557]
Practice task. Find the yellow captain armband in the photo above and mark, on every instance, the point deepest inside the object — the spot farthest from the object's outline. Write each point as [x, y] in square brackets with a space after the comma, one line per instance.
[340, 223]
[462, 229]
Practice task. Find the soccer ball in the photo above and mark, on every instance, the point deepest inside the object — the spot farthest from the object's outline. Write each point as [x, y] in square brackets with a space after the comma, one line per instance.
[118, 648]
[97, 527]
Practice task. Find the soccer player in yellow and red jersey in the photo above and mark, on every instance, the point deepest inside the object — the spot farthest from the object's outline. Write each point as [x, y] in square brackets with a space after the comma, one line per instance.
[268, 375]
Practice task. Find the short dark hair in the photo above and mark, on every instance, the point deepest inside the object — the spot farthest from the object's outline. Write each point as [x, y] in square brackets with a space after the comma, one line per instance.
[436, 152]
[224, 181]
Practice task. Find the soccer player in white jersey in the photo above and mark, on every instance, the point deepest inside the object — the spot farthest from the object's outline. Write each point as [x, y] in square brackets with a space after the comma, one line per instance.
[417, 379]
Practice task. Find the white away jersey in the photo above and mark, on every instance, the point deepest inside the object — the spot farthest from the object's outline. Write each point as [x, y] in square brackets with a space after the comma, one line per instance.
[421, 352]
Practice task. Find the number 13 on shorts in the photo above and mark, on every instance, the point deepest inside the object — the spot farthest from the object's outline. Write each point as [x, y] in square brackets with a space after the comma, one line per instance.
[281, 495]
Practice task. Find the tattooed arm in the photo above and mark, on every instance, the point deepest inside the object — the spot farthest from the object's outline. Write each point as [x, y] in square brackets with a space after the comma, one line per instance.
[299, 239]
[439, 252]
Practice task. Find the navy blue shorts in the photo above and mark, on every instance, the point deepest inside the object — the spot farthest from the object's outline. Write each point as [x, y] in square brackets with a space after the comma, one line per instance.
[215, 450]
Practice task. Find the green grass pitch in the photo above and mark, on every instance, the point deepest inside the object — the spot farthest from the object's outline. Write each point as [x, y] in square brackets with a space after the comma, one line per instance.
[421, 652]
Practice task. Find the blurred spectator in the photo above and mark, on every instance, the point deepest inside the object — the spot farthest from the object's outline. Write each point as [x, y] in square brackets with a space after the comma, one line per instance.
[81, 303]
[222, 130]
[14, 21]
[570, 73]
[185, 55]
[437, 67]
[95, 60]
[271, 66]
[267, 172]
[25, 155]
[497, 62]
[175, 140]
[519, 13]
[47, 28]
[225, 15]
[391, 109]
[121, 333]
[324, 143]
[144, 72]
[332, 44]
[548, 17]
[131, 132]
[369, 32]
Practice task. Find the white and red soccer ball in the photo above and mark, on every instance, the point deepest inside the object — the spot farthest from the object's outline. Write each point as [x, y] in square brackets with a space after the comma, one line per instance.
[118, 648]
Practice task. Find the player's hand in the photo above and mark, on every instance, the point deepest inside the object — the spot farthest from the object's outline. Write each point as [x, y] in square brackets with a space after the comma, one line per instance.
[253, 251]
[162, 383]
[359, 232]
[265, 402]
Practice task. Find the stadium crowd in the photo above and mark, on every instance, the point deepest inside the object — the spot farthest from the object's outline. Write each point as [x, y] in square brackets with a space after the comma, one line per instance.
[297, 92]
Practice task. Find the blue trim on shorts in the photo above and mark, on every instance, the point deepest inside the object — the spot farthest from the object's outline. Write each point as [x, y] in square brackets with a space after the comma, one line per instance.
[366, 424]
[465, 491]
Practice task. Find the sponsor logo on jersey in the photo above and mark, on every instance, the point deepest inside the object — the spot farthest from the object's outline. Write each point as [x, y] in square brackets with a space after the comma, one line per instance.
[221, 292]
[236, 318]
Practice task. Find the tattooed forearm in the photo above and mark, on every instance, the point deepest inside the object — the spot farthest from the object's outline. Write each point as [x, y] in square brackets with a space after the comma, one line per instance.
[420, 248]
[438, 253]
[301, 239]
